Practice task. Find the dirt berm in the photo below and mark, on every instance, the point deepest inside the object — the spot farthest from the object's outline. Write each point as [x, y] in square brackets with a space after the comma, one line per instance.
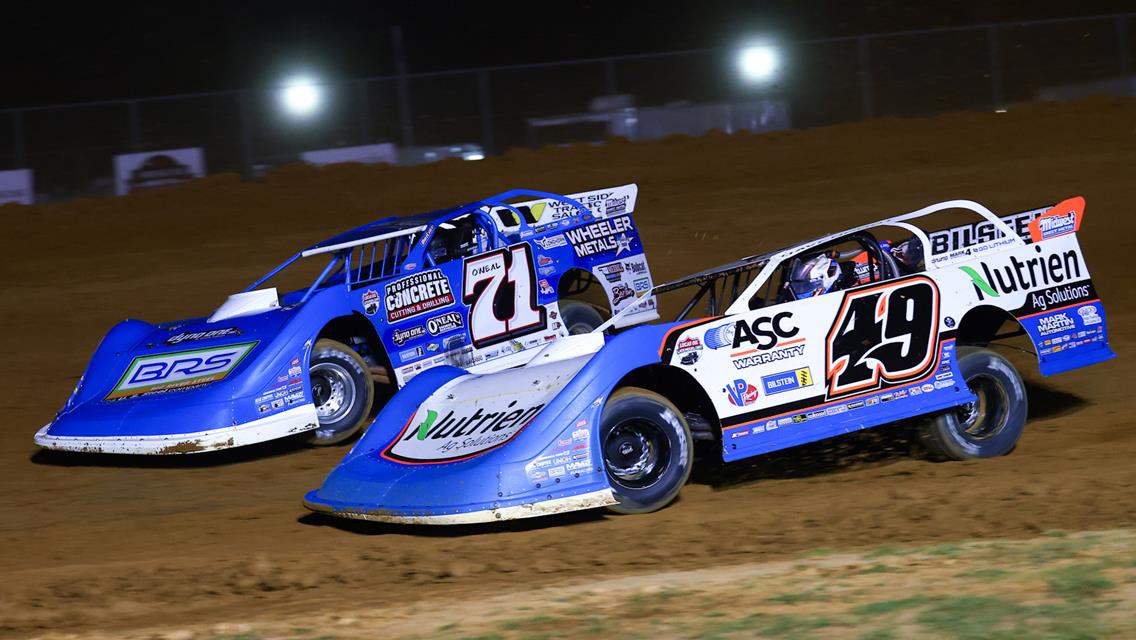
[100, 542]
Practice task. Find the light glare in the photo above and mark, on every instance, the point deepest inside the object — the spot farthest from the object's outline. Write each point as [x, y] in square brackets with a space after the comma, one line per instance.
[301, 97]
[758, 63]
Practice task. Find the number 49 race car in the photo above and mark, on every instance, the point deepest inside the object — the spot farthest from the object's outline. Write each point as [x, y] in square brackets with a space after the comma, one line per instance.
[837, 334]
[480, 286]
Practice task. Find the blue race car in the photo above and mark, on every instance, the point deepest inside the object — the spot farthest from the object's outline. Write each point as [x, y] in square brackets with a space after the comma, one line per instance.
[480, 286]
[833, 335]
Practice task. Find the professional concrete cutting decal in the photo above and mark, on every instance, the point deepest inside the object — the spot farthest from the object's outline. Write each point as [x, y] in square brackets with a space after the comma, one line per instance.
[417, 294]
[179, 370]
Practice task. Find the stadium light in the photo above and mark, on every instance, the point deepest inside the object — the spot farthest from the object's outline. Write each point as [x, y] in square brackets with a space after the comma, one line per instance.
[301, 96]
[758, 64]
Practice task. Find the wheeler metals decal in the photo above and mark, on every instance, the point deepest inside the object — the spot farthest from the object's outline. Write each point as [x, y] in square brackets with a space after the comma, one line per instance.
[179, 370]
[885, 333]
[446, 435]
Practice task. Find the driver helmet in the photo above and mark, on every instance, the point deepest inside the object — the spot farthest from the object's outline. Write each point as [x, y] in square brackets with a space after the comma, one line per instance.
[814, 277]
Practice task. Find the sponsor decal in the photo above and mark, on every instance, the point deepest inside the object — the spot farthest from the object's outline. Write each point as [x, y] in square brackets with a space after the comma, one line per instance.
[740, 434]
[949, 321]
[411, 354]
[1089, 315]
[616, 206]
[836, 409]
[979, 232]
[545, 288]
[202, 335]
[799, 418]
[689, 349]
[787, 380]
[178, 370]
[871, 402]
[741, 393]
[915, 391]
[551, 242]
[601, 236]
[437, 435]
[943, 384]
[1023, 275]
[855, 405]
[1056, 323]
[766, 357]
[928, 388]
[402, 336]
[1063, 218]
[642, 285]
[813, 415]
[613, 272]
[621, 292]
[370, 302]
[419, 293]
[635, 267]
[445, 323]
[543, 260]
[547, 271]
[765, 332]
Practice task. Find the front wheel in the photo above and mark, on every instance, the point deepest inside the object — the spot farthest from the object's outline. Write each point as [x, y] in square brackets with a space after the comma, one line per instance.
[579, 317]
[647, 450]
[992, 424]
[342, 391]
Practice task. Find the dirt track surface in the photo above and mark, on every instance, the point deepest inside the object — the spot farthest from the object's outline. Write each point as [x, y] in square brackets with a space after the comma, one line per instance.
[105, 543]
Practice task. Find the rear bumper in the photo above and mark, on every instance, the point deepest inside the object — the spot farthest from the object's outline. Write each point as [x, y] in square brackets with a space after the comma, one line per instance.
[590, 500]
[295, 420]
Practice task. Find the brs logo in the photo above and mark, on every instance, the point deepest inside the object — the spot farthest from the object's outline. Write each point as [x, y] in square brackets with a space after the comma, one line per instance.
[179, 370]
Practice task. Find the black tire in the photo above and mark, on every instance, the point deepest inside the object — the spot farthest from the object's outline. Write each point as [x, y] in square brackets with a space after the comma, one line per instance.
[579, 317]
[989, 427]
[647, 450]
[342, 391]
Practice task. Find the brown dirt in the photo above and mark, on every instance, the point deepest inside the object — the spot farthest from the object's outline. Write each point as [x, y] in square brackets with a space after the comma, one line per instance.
[89, 542]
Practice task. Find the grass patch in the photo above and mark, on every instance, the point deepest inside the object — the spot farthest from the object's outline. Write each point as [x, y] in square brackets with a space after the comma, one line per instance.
[876, 568]
[879, 634]
[884, 607]
[811, 595]
[519, 623]
[1078, 582]
[991, 574]
[889, 550]
[977, 618]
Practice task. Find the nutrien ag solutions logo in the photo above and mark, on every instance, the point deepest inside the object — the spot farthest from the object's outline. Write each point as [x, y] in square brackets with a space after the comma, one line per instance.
[1023, 275]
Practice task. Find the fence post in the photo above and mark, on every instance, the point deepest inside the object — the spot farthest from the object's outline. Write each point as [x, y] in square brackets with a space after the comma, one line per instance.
[486, 111]
[403, 89]
[866, 103]
[609, 77]
[995, 66]
[246, 133]
[135, 125]
[18, 139]
[1122, 36]
[364, 111]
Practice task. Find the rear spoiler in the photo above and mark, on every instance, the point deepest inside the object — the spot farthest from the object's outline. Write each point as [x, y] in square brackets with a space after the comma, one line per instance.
[1033, 225]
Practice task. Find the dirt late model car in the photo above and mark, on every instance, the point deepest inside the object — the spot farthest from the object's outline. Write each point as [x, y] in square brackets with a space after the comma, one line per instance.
[837, 334]
[477, 286]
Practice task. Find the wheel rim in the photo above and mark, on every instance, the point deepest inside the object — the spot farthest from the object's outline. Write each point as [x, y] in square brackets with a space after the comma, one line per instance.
[579, 328]
[986, 416]
[636, 453]
[333, 391]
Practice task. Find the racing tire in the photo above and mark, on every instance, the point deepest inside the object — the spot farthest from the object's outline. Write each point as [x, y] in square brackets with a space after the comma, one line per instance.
[579, 317]
[989, 427]
[647, 450]
[342, 391]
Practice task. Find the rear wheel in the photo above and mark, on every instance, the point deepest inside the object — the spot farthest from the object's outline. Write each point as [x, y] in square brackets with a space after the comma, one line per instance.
[342, 391]
[579, 317]
[647, 450]
[992, 424]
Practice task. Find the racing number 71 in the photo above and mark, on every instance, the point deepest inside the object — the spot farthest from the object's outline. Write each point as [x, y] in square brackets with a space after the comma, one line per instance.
[500, 289]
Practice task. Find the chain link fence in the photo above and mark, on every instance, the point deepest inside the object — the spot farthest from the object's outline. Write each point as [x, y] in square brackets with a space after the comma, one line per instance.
[827, 81]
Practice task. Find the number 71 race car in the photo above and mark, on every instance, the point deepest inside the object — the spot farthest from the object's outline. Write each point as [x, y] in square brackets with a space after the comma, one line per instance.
[480, 286]
[870, 326]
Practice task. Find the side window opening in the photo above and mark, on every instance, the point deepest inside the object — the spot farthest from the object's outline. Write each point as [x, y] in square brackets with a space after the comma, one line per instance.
[459, 238]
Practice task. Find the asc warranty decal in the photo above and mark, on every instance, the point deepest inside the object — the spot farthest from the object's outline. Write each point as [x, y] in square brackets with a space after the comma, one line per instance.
[179, 370]
[439, 434]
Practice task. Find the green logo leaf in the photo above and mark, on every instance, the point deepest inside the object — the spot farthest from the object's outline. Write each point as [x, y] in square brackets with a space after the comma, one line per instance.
[424, 428]
[980, 282]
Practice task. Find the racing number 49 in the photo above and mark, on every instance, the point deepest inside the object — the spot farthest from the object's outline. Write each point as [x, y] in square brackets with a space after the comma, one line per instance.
[500, 289]
[887, 332]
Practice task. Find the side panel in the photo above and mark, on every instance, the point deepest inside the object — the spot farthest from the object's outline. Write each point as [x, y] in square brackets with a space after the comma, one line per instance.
[814, 368]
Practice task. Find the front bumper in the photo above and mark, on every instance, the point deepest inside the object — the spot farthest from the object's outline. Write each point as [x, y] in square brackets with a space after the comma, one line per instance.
[295, 420]
[589, 500]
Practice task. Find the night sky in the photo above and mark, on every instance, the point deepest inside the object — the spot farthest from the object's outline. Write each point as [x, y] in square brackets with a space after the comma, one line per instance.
[55, 52]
